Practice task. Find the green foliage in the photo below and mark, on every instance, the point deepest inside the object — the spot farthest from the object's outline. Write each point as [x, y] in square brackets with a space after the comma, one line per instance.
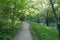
[12, 11]
[9, 17]
[43, 33]
[6, 33]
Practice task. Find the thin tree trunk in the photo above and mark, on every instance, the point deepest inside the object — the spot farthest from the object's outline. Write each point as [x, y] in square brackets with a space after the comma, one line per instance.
[55, 16]
[47, 20]
[38, 20]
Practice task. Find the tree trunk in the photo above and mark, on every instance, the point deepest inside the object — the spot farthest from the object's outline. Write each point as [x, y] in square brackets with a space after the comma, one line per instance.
[56, 18]
[38, 20]
[58, 27]
[47, 20]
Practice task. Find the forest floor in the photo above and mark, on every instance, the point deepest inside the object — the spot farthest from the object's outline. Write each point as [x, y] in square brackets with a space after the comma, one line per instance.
[24, 33]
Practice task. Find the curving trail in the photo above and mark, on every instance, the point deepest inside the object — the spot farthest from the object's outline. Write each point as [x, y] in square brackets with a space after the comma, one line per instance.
[24, 33]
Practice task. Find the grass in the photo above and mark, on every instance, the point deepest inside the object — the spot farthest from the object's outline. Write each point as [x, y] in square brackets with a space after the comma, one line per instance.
[43, 32]
[7, 33]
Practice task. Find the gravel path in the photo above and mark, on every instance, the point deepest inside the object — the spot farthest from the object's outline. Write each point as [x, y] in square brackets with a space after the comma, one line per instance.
[24, 33]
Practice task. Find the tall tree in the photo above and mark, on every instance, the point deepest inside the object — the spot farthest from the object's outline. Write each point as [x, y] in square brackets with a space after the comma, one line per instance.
[55, 16]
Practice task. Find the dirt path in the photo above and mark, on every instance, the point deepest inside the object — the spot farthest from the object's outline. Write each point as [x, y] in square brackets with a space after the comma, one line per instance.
[24, 33]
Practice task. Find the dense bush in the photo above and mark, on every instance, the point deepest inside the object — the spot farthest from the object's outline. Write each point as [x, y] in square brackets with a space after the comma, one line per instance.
[7, 32]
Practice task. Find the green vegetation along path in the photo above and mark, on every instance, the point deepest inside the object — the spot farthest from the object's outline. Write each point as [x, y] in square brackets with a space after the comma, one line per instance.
[24, 33]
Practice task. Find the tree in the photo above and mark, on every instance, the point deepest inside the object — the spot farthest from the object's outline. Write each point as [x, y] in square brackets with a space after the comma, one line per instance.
[55, 16]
